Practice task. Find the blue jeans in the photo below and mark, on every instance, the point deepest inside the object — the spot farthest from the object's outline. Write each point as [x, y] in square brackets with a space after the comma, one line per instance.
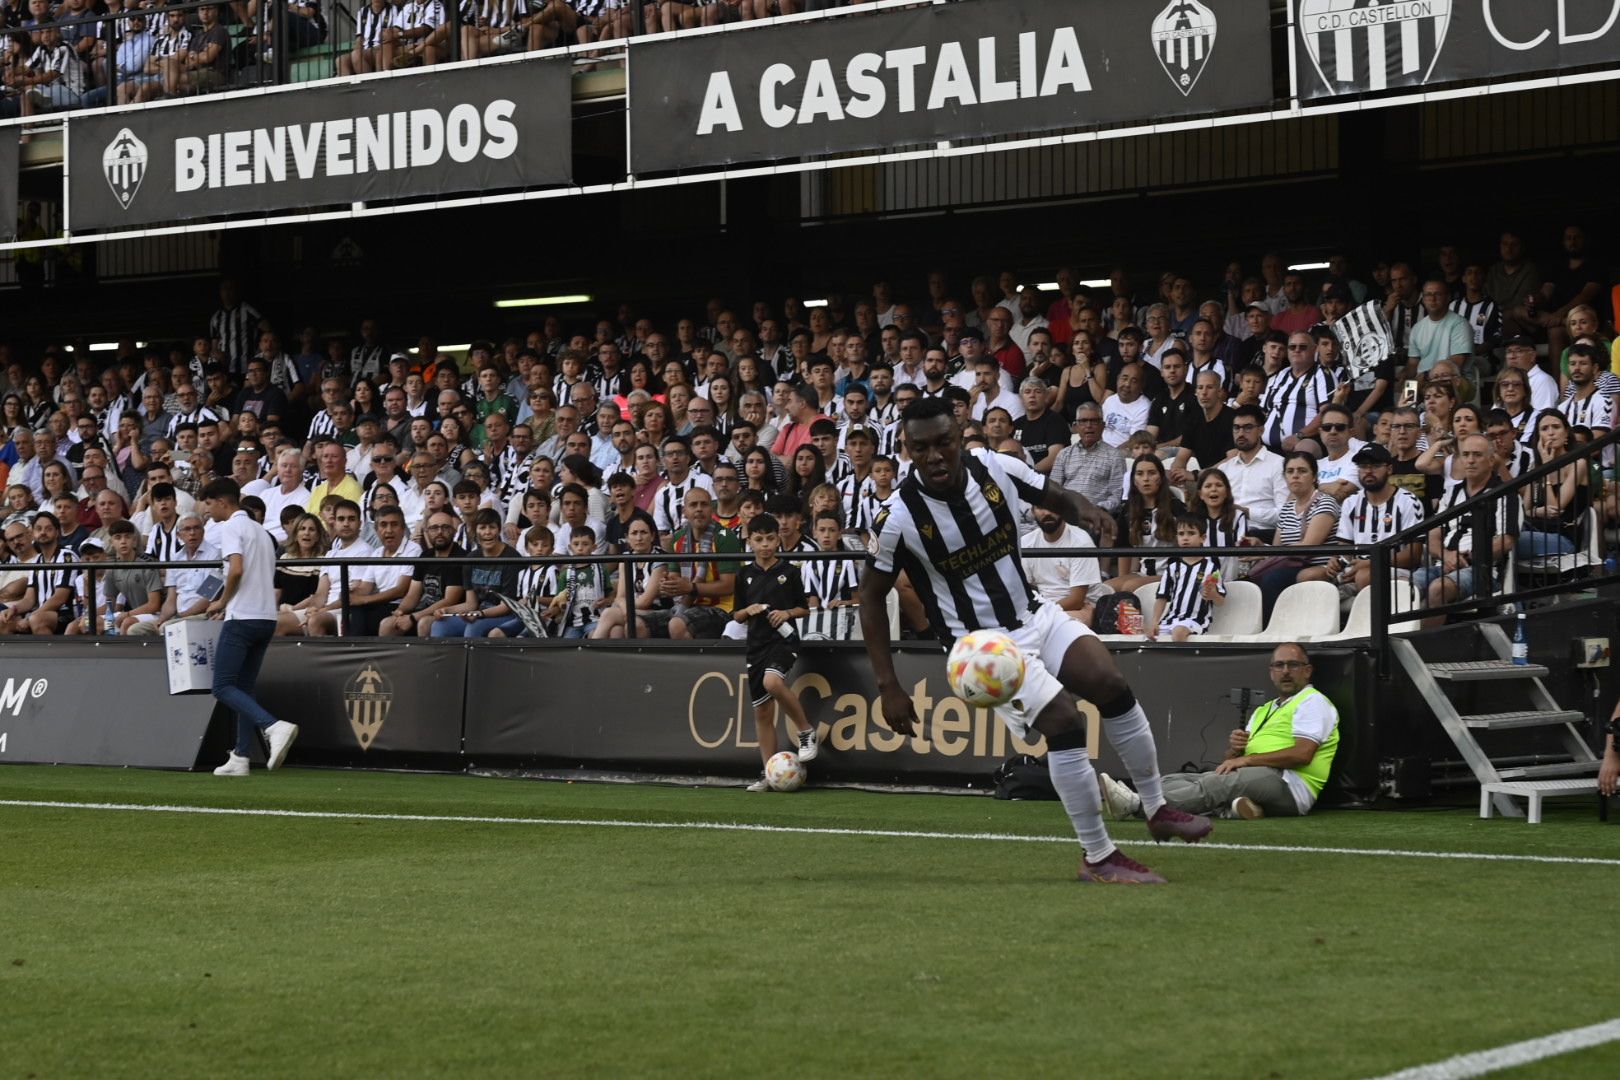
[456, 626]
[1533, 543]
[242, 644]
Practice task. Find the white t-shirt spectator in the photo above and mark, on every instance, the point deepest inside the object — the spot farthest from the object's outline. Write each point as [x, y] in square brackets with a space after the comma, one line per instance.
[1004, 400]
[1053, 577]
[1332, 470]
[385, 576]
[1121, 421]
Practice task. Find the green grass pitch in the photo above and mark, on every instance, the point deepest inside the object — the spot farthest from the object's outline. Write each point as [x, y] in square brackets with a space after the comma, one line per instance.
[180, 945]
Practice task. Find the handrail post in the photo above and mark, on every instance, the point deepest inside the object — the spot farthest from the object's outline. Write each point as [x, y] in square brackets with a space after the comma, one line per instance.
[96, 625]
[1380, 608]
[109, 37]
[454, 7]
[1483, 536]
[343, 598]
[629, 600]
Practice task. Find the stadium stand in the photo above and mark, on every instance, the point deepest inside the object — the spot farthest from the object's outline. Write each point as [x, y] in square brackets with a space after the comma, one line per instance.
[612, 421]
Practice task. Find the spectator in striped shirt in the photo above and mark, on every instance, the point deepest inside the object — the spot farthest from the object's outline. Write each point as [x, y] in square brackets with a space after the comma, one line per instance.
[1189, 588]
[47, 606]
[1375, 513]
[375, 38]
[422, 33]
[55, 77]
[1306, 518]
[1294, 396]
[1449, 574]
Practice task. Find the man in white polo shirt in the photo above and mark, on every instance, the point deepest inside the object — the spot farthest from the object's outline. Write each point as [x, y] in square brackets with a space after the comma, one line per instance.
[248, 605]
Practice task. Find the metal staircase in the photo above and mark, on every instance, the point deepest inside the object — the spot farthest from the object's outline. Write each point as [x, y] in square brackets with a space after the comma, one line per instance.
[1526, 703]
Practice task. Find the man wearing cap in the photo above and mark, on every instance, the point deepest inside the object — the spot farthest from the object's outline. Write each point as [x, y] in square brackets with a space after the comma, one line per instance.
[1258, 317]
[1520, 354]
[1373, 514]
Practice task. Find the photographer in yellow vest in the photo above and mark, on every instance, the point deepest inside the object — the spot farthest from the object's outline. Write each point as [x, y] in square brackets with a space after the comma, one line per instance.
[1276, 766]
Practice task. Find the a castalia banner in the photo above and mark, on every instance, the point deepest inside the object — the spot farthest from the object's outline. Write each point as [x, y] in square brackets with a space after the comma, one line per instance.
[688, 711]
[96, 703]
[1364, 46]
[976, 69]
[499, 127]
[367, 697]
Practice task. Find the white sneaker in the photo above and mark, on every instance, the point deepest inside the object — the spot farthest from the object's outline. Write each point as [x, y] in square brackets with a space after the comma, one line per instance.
[280, 735]
[1247, 809]
[808, 746]
[235, 765]
[760, 785]
[1119, 801]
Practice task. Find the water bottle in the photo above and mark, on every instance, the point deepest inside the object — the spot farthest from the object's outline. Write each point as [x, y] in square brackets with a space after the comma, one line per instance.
[112, 625]
[1521, 643]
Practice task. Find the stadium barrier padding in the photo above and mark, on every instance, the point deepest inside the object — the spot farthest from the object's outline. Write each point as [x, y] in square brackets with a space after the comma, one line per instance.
[670, 708]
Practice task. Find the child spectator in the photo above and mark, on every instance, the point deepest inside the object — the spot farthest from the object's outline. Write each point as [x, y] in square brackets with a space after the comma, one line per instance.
[582, 588]
[770, 595]
[831, 584]
[1189, 588]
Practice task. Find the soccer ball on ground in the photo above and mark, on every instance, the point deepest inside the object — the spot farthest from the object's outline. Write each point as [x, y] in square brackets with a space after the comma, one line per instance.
[784, 772]
[985, 668]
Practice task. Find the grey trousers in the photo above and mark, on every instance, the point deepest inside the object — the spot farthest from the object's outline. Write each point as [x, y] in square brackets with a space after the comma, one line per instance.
[1202, 793]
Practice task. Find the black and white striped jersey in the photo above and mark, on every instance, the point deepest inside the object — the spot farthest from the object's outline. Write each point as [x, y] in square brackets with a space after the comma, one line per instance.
[53, 574]
[1292, 401]
[670, 500]
[1458, 534]
[202, 414]
[238, 329]
[1595, 411]
[1363, 521]
[1181, 587]
[162, 542]
[369, 26]
[831, 580]
[321, 425]
[961, 551]
[1483, 317]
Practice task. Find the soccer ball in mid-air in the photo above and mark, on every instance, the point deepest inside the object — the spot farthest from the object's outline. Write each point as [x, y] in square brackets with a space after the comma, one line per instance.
[784, 772]
[985, 668]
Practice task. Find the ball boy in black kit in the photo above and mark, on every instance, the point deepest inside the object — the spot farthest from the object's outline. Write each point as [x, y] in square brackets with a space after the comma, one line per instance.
[770, 594]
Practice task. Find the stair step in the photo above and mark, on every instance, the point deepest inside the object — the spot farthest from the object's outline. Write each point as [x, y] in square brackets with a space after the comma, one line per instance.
[1504, 720]
[1482, 670]
[1557, 768]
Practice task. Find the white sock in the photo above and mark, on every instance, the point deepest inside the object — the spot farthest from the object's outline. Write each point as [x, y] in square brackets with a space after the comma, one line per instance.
[1076, 785]
[1132, 740]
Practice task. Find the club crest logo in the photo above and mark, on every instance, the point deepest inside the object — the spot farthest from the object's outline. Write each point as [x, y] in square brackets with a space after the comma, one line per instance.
[123, 163]
[992, 493]
[1364, 46]
[1183, 38]
[367, 698]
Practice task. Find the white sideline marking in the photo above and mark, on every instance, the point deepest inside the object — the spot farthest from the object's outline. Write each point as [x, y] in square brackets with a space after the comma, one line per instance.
[803, 830]
[1464, 1066]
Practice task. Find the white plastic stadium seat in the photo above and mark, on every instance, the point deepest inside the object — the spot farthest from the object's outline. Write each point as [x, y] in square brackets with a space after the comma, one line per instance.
[1305, 610]
[1402, 597]
[1147, 595]
[1239, 616]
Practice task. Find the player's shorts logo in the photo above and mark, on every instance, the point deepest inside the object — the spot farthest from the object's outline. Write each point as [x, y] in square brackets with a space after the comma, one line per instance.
[123, 163]
[366, 699]
[1183, 38]
[1359, 46]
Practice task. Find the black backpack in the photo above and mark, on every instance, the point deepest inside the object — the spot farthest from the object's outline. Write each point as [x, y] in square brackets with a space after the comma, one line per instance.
[1105, 620]
[1023, 777]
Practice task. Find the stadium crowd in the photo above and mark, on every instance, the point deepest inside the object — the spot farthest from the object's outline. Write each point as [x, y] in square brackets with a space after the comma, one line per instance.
[89, 53]
[1225, 416]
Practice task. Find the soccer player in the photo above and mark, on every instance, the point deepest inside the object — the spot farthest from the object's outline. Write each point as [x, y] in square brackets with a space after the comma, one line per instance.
[953, 528]
[770, 593]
